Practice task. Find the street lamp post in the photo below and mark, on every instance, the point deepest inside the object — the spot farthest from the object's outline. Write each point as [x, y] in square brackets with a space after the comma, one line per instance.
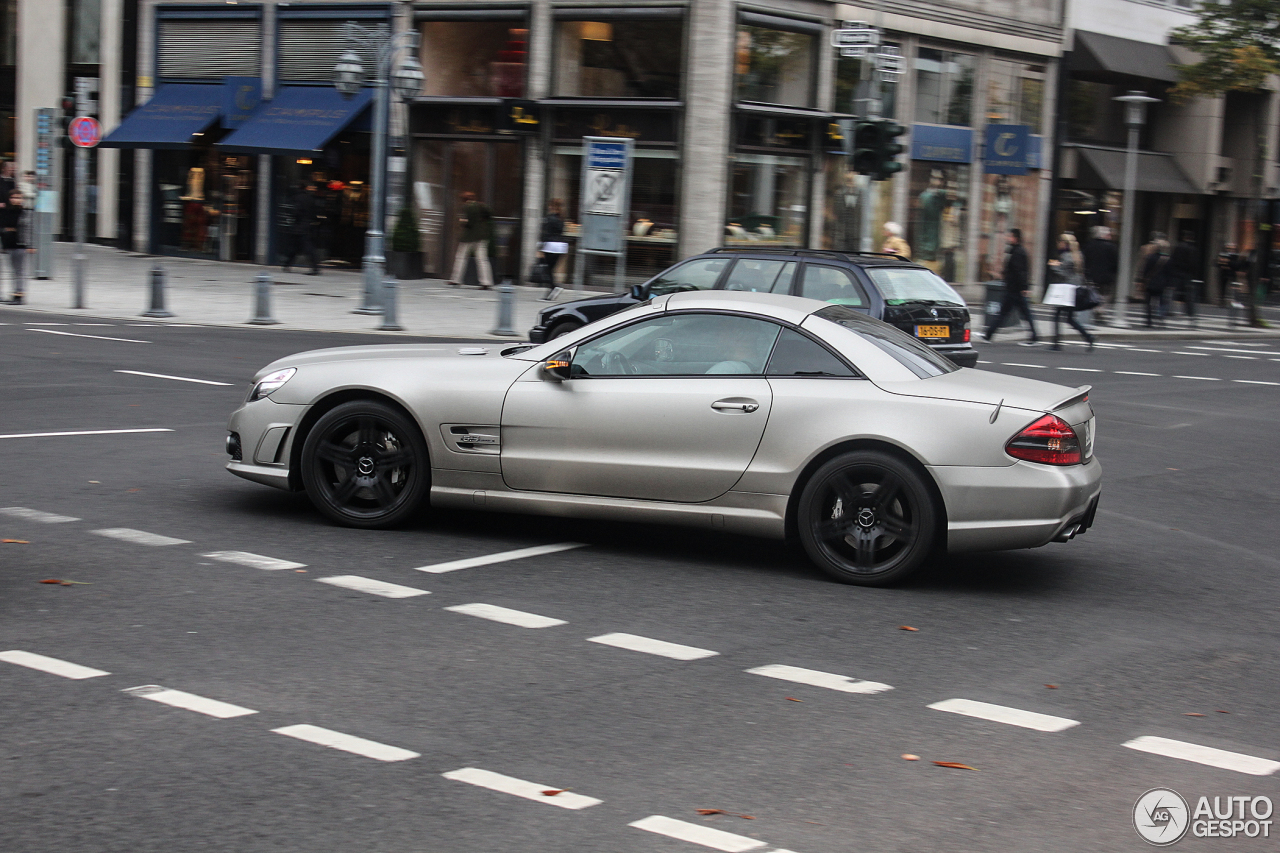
[348, 78]
[1135, 114]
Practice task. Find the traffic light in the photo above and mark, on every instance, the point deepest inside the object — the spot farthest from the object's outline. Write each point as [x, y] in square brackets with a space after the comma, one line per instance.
[866, 157]
[887, 149]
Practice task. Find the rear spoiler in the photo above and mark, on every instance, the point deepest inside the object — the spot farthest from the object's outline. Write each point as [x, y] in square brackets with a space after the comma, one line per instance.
[1080, 395]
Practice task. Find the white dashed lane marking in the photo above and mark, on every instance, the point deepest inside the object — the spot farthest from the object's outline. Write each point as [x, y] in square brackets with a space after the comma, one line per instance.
[1255, 382]
[1002, 714]
[1016, 364]
[510, 617]
[253, 561]
[35, 515]
[346, 743]
[174, 378]
[1135, 373]
[1082, 369]
[139, 537]
[1206, 755]
[813, 677]
[95, 337]
[1244, 357]
[81, 432]
[53, 666]
[636, 643]
[189, 701]
[1229, 349]
[373, 587]
[504, 556]
[1201, 378]
[716, 839]
[520, 788]
[1201, 354]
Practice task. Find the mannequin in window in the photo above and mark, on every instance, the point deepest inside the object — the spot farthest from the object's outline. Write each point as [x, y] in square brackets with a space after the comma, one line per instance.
[932, 202]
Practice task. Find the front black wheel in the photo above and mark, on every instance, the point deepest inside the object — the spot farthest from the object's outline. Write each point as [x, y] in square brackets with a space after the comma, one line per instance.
[866, 518]
[562, 329]
[365, 464]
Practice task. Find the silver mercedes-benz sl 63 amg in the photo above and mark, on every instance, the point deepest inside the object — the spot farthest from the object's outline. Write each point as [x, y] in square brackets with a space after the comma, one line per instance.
[752, 413]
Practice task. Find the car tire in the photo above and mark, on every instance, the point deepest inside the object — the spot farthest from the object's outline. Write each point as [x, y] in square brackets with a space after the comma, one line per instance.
[867, 518]
[365, 464]
[562, 329]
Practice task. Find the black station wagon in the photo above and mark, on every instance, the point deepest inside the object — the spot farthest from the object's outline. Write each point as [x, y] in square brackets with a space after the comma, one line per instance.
[883, 286]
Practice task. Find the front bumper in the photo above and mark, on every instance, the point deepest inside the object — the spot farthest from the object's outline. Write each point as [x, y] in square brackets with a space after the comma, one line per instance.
[260, 441]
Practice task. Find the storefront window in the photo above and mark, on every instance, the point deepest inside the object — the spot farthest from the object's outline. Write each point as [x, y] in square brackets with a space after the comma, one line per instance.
[622, 59]
[846, 193]
[768, 200]
[939, 216]
[1092, 115]
[1015, 94]
[1008, 201]
[471, 59]
[944, 87]
[341, 198]
[8, 32]
[84, 18]
[206, 203]
[851, 88]
[774, 66]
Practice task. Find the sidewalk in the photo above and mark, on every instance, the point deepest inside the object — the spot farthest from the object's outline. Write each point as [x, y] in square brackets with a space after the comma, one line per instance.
[117, 286]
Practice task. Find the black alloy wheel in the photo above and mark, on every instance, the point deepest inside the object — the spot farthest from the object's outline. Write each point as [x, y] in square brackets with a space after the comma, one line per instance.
[365, 464]
[866, 518]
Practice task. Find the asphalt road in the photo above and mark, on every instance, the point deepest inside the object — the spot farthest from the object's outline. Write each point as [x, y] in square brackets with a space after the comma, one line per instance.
[1165, 611]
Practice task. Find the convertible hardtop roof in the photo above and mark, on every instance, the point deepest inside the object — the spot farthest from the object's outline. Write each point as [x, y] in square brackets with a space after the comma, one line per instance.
[791, 309]
[885, 259]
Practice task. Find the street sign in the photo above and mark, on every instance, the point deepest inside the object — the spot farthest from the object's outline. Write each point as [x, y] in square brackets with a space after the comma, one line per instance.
[605, 203]
[85, 132]
[602, 193]
[856, 51]
[855, 37]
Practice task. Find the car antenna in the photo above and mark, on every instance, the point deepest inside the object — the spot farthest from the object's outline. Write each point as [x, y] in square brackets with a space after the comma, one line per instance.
[996, 413]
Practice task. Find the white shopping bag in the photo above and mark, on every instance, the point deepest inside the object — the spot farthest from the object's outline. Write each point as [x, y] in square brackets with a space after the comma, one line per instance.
[1061, 294]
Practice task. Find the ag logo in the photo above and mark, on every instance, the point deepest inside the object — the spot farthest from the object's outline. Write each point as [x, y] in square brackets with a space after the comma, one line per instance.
[1161, 816]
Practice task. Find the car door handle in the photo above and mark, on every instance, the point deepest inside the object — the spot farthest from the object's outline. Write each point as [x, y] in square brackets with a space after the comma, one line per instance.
[747, 406]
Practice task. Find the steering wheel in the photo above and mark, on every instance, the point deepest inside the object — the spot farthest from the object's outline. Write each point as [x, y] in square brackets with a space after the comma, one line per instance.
[617, 364]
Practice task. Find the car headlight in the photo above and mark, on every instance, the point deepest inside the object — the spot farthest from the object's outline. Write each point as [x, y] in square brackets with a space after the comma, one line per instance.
[271, 383]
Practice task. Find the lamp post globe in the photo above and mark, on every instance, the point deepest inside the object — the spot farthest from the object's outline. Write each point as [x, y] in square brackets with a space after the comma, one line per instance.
[348, 74]
[407, 79]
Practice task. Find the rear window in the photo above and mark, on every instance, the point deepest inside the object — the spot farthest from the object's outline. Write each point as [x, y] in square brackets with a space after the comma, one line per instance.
[900, 285]
[906, 350]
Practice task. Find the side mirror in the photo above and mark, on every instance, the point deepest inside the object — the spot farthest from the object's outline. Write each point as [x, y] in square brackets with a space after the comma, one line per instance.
[638, 292]
[557, 367]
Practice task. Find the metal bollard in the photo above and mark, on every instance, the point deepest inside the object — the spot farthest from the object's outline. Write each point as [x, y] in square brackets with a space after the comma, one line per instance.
[262, 302]
[506, 310]
[389, 320]
[157, 308]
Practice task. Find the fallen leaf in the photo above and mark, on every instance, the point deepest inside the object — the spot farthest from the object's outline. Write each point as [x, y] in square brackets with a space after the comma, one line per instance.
[1193, 715]
[906, 756]
[1052, 686]
[551, 792]
[955, 764]
[51, 580]
[1224, 712]
[907, 628]
[15, 541]
[133, 490]
[301, 571]
[710, 811]
[67, 583]
[793, 699]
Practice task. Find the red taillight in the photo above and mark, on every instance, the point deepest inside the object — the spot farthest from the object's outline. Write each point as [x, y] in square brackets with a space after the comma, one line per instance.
[966, 334]
[1049, 441]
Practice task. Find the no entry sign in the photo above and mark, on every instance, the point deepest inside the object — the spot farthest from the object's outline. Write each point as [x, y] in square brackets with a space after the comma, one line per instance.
[85, 132]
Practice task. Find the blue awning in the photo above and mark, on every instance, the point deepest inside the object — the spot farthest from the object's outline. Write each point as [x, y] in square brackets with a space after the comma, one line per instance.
[173, 116]
[300, 119]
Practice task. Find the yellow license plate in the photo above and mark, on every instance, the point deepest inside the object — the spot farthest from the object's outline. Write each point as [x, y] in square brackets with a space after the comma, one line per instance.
[933, 331]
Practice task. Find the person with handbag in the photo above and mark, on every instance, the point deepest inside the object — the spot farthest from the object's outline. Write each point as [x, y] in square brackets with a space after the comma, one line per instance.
[552, 248]
[1017, 286]
[15, 237]
[1155, 281]
[477, 231]
[1066, 269]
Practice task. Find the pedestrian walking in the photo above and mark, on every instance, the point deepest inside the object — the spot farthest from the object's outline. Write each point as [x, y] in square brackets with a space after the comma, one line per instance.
[1155, 281]
[8, 181]
[1181, 271]
[15, 238]
[552, 247]
[301, 234]
[1065, 269]
[893, 242]
[1017, 287]
[477, 231]
[1101, 266]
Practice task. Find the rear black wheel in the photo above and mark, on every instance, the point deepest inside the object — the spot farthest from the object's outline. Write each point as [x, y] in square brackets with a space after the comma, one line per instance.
[364, 464]
[866, 518]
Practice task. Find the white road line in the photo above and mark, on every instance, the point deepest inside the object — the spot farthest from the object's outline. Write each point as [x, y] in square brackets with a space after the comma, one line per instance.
[253, 561]
[1002, 714]
[652, 647]
[511, 617]
[1136, 349]
[188, 701]
[520, 788]
[373, 587]
[50, 665]
[95, 337]
[139, 537]
[175, 378]
[1229, 349]
[346, 743]
[716, 839]
[93, 324]
[980, 361]
[1201, 354]
[81, 432]
[1082, 369]
[1202, 378]
[37, 323]
[1016, 364]
[1207, 755]
[1243, 357]
[1255, 382]
[35, 515]
[830, 680]
[1134, 373]
[521, 553]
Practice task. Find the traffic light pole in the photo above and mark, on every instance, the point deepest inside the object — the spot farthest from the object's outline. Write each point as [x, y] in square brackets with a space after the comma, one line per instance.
[873, 112]
[77, 273]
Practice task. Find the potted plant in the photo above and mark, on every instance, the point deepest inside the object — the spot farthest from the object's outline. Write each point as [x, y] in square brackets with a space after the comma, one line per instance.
[404, 259]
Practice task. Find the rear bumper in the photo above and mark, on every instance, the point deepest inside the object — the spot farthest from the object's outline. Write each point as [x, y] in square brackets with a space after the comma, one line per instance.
[964, 355]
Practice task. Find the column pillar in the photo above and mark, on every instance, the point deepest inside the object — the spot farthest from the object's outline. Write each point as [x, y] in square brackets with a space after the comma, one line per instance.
[707, 143]
[536, 150]
[109, 109]
[40, 75]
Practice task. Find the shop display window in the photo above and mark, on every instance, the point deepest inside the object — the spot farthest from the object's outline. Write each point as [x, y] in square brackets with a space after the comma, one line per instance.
[1015, 94]
[475, 59]
[206, 203]
[939, 198]
[768, 200]
[846, 193]
[775, 66]
[944, 87]
[619, 59]
[1009, 201]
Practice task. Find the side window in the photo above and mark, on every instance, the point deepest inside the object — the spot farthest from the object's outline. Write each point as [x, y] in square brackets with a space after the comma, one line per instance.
[698, 274]
[680, 344]
[761, 276]
[798, 355]
[831, 284]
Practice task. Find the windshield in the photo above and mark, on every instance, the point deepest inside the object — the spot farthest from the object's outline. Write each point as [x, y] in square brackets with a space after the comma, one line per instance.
[906, 350]
[900, 285]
